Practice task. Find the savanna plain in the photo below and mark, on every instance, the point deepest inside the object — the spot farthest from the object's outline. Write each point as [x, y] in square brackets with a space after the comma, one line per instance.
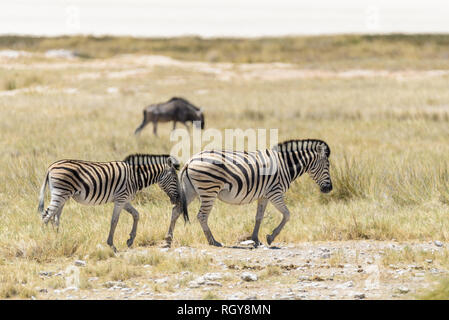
[381, 103]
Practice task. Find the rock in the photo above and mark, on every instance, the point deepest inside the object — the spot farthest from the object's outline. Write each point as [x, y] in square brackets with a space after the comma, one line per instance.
[403, 290]
[213, 283]
[247, 243]
[438, 243]
[162, 280]
[359, 296]
[429, 260]
[116, 284]
[248, 276]
[325, 255]
[80, 263]
[213, 276]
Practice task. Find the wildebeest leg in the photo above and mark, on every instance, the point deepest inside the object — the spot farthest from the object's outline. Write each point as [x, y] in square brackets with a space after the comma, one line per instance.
[206, 206]
[128, 207]
[155, 127]
[190, 195]
[280, 205]
[261, 206]
[174, 124]
[142, 125]
[115, 216]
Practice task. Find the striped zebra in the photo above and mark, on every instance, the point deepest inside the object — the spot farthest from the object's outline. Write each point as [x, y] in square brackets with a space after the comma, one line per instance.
[94, 183]
[241, 177]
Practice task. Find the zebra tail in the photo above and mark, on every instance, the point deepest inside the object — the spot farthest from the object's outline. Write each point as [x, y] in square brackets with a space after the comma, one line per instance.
[40, 208]
[185, 212]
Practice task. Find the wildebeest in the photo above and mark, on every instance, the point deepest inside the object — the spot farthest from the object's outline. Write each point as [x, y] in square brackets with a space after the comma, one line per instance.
[176, 109]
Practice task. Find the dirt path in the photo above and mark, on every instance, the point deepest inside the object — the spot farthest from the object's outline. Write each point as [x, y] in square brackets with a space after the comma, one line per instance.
[312, 270]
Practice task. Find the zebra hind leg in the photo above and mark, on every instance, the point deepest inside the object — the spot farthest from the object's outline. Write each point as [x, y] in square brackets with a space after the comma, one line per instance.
[54, 209]
[203, 215]
[280, 205]
[261, 206]
[190, 194]
[129, 208]
[115, 216]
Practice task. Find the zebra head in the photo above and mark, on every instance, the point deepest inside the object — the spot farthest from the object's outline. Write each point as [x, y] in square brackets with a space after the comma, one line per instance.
[319, 167]
[169, 182]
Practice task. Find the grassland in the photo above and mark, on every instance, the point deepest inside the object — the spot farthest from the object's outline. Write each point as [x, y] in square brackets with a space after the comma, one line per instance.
[392, 51]
[388, 131]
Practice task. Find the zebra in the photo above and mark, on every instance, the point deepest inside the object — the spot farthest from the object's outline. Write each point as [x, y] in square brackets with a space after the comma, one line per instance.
[240, 177]
[95, 183]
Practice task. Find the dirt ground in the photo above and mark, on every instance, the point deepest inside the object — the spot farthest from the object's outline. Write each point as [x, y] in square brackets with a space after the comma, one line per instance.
[310, 270]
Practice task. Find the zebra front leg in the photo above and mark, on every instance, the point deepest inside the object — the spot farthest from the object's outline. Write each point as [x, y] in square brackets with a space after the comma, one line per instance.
[280, 205]
[128, 207]
[203, 215]
[175, 213]
[114, 220]
[261, 206]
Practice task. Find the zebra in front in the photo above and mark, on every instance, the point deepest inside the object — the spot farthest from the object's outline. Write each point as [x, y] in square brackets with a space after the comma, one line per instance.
[239, 177]
[95, 183]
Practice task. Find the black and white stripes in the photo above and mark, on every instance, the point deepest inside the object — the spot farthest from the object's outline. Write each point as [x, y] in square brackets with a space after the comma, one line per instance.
[96, 183]
[242, 177]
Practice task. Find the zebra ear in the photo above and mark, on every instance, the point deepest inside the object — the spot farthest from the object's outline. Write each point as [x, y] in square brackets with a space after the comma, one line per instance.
[173, 163]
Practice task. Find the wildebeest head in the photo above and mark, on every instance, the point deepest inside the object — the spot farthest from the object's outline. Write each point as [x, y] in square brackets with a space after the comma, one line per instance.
[199, 122]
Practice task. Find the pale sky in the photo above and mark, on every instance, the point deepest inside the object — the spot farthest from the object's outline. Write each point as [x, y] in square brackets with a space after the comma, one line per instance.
[208, 18]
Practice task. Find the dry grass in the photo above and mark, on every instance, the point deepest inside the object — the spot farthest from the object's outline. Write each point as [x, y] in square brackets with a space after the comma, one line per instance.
[392, 51]
[389, 160]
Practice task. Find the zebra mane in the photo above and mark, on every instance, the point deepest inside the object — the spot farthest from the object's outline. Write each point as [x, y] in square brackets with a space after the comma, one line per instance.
[141, 159]
[298, 145]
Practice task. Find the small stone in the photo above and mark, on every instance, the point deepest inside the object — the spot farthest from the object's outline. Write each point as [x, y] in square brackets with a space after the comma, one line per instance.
[213, 276]
[438, 243]
[325, 255]
[359, 296]
[248, 276]
[80, 263]
[45, 273]
[92, 279]
[429, 260]
[213, 283]
[403, 290]
[247, 243]
[162, 280]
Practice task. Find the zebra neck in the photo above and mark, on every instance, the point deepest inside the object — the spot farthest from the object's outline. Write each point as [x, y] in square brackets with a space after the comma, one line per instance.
[144, 176]
[296, 163]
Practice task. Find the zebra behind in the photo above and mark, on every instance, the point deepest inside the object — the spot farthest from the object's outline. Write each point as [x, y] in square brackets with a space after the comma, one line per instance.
[242, 177]
[95, 183]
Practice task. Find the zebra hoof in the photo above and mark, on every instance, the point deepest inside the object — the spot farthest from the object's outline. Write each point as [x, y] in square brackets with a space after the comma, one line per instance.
[216, 244]
[113, 248]
[269, 239]
[129, 242]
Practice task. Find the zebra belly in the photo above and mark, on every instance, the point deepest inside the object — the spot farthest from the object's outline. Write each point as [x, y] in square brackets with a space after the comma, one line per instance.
[229, 197]
[81, 198]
